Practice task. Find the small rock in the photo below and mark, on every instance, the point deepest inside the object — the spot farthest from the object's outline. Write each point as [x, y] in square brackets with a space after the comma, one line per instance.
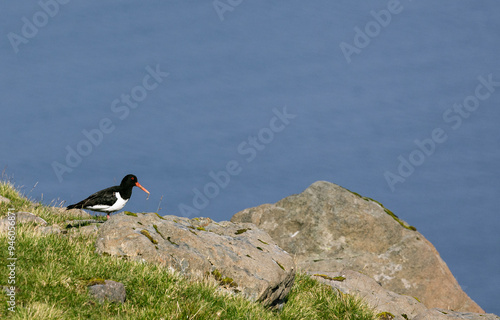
[111, 290]
[4, 200]
[71, 214]
[85, 230]
[25, 217]
[52, 229]
[21, 217]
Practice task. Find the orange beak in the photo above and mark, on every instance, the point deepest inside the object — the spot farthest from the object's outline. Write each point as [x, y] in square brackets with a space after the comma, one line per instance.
[143, 189]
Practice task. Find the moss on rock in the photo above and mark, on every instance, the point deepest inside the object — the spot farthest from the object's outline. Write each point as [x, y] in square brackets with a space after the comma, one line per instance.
[95, 281]
[146, 233]
[324, 276]
[240, 231]
[385, 316]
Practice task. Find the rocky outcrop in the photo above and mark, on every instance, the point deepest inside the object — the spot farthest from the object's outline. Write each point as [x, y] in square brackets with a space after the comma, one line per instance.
[442, 314]
[328, 228]
[239, 256]
[379, 299]
[388, 304]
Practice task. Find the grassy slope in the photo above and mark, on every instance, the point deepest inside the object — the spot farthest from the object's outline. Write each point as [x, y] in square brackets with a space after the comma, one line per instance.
[53, 271]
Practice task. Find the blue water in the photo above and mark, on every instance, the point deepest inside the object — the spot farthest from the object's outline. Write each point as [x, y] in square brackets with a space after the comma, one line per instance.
[180, 92]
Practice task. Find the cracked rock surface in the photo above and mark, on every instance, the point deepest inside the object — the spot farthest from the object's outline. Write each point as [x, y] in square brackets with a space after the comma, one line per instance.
[240, 256]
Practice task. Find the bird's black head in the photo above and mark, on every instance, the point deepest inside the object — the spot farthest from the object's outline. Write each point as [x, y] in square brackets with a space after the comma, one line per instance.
[130, 181]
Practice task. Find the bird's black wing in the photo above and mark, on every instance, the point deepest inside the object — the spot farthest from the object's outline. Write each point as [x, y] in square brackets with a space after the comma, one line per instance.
[103, 197]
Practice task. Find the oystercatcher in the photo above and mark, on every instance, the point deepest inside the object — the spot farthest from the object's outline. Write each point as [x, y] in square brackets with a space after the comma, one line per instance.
[110, 199]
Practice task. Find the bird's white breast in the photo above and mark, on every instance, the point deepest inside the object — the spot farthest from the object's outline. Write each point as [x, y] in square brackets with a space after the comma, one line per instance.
[118, 205]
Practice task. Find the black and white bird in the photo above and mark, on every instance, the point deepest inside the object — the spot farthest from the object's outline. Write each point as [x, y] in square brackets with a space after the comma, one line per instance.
[110, 199]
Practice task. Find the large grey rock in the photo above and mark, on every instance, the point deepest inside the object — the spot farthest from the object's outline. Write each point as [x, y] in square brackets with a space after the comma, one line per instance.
[239, 255]
[5, 200]
[328, 228]
[109, 290]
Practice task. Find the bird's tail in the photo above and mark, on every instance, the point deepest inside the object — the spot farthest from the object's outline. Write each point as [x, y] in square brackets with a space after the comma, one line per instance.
[73, 206]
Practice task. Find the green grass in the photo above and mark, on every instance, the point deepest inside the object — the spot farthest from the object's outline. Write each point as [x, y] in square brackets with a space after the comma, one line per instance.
[53, 271]
[51, 214]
